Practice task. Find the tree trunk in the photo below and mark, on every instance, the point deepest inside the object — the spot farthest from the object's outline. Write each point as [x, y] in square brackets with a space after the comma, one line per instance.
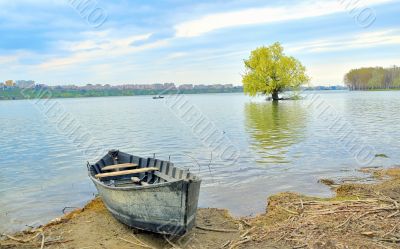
[275, 96]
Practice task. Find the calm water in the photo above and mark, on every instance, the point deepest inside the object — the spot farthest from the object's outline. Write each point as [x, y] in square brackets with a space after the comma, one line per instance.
[284, 147]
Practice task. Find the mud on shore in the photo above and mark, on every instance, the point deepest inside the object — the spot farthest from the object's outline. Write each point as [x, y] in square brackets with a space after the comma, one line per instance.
[359, 216]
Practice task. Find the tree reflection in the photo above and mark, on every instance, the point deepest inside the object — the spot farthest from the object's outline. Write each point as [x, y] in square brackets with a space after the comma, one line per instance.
[274, 127]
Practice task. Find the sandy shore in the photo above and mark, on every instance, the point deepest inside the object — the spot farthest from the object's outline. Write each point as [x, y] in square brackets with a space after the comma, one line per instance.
[359, 216]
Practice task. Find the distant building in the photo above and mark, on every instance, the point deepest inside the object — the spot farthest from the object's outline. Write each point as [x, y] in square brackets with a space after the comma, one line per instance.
[200, 87]
[142, 87]
[217, 86]
[169, 86]
[9, 83]
[88, 87]
[41, 86]
[158, 86]
[25, 83]
[186, 87]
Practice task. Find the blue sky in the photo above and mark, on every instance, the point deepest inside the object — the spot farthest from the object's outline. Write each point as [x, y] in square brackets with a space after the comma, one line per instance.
[184, 41]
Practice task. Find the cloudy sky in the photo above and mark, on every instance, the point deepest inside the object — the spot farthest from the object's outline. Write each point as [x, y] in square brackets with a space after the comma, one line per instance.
[190, 41]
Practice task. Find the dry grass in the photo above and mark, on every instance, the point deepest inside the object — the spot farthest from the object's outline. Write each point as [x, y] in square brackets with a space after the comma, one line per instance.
[359, 216]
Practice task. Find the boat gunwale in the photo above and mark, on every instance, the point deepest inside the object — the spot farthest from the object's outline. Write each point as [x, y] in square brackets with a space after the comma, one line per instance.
[135, 187]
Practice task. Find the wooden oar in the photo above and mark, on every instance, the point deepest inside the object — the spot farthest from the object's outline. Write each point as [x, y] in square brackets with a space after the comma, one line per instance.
[126, 172]
[119, 166]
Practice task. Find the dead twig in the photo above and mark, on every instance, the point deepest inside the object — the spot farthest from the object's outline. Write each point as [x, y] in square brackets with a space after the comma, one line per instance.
[52, 242]
[301, 246]
[42, 245]
[391, 231]
[247, 232]
[216, 229]
[289, 211]
[389, 199]
[21, 240]
[368, 234]
[225, 244]
[333, 212]
[134, 243]
[141, 242]
[245, 240]
[365, 214]
[393, 214]
[172, 244]
[65, 208]
[245, 222]
[344, 223]
[337, 202]
[394, 240]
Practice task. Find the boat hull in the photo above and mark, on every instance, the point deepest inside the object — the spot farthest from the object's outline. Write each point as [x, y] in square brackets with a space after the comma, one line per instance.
[166, 208]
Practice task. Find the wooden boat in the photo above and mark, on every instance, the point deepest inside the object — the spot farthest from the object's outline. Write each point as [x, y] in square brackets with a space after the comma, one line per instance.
[147, 193]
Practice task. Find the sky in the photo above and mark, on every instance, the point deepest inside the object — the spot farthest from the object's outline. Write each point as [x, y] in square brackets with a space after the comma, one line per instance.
[78, 42]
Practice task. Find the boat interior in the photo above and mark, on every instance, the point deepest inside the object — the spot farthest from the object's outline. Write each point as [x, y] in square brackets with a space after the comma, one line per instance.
[119, 169]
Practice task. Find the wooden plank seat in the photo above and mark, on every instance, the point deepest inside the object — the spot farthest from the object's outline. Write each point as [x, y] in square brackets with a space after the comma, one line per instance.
[164, 176]
[126, 172]
[119, 166]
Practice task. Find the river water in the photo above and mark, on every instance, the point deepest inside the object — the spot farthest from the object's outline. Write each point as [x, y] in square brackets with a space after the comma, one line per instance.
[276, 147]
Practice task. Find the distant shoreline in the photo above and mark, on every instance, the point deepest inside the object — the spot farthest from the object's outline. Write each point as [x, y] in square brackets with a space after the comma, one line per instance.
[47, 93]
[51, 93]
[58, 92]
[23, 94]
[381, 90]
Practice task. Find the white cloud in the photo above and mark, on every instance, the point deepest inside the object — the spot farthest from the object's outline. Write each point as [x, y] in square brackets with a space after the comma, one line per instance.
[332, 73]
[363, 40]
[7, 59]
[100, 49]
[327, 72]
[177, 55]
[98, 41]
[15, 58]
[265, 15]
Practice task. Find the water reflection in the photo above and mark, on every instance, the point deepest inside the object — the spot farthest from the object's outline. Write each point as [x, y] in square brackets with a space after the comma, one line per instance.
[273, 128]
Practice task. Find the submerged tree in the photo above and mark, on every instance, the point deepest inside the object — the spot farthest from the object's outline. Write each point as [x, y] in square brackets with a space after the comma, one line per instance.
[270, 71]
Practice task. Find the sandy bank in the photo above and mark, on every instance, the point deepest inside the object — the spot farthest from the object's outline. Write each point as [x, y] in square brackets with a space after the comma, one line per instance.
[359, 216]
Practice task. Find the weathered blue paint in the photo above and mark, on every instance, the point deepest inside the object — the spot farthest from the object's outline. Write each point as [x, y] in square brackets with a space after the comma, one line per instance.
[167, 205]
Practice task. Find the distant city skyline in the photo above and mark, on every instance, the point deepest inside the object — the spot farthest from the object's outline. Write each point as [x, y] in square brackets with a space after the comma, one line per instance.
[29, 83]
[153, 86]
[63, 42]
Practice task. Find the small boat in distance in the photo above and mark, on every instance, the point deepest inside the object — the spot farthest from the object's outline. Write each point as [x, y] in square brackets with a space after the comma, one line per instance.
[158, 97]
[147, 193]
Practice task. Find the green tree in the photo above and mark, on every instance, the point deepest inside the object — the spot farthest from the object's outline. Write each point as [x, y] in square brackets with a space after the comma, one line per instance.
[270, 71]
[373, 78]
[377, 77]
[396, 82]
